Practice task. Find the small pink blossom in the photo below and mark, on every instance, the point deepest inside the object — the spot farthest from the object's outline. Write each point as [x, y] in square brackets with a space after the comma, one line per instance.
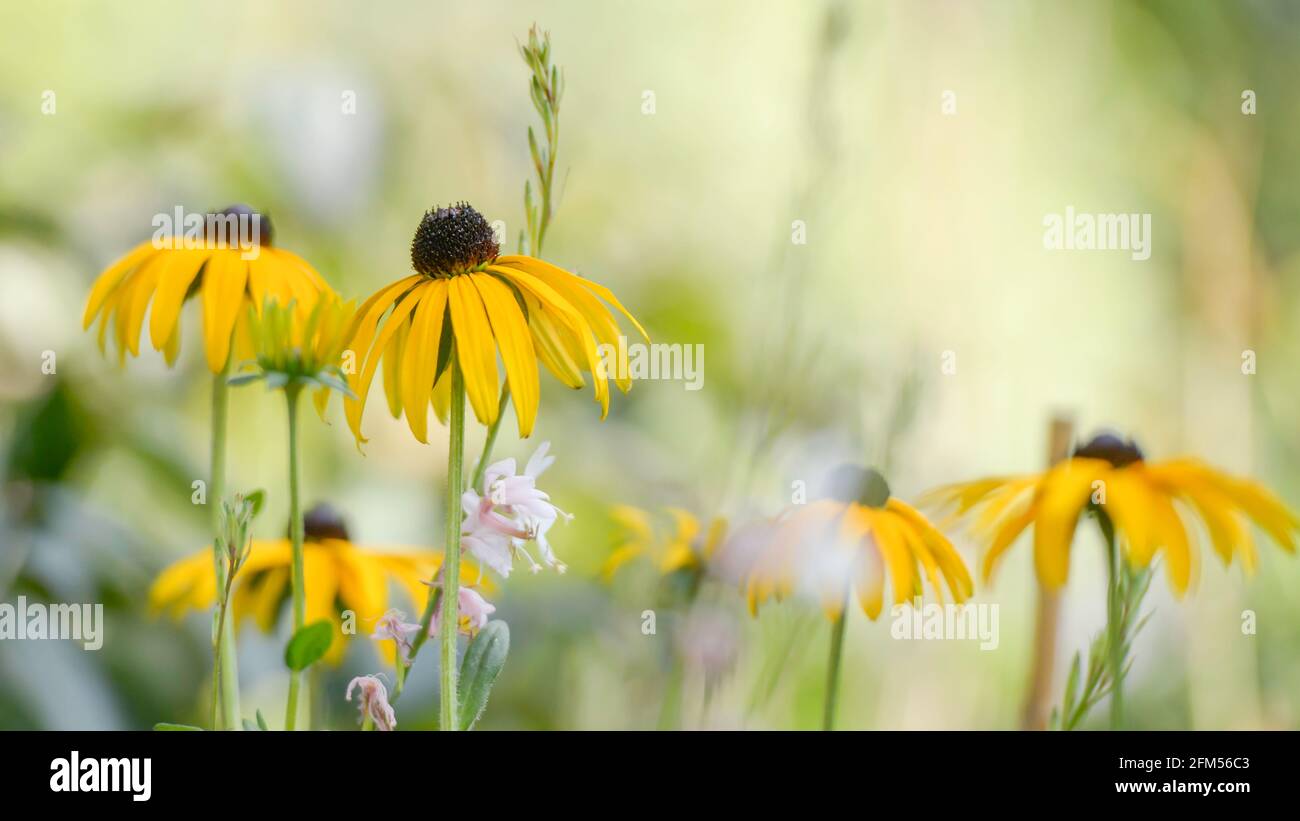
[392, 626]
[512, 512]
[374, 701]
[473, 611]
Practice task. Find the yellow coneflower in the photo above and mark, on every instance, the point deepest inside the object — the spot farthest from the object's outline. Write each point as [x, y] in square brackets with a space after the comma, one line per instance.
[225, 276]
[340, 574]
[467, 298]
[846, 544]
[688, 545]
[230, 264]
[1150, 505]
[1143, 509]
[850, 543]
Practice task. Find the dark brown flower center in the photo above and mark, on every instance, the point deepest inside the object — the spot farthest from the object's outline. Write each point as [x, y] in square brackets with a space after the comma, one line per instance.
[1110, 447]
[238, 226]
[851, 483]
[324, 522]
[453, 240]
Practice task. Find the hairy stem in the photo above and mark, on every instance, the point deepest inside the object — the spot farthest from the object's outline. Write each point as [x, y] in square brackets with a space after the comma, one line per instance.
[1114, 623]
[449, 622]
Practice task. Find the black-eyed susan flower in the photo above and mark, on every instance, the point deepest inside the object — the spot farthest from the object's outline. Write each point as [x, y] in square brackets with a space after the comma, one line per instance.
[686, 544]
[852, 542]
[340, 576]
[468, 300]
[1153, 508]
[158, 276]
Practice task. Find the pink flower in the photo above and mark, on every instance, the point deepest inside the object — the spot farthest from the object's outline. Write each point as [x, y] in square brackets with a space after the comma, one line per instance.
[374, 701]
[392, 626]
[512, 512]
[473, 611]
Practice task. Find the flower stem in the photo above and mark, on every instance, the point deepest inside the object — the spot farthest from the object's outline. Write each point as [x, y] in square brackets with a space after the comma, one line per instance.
[1114, 623]
[296, 537]
[226, 682]
[450, 619]
[833, 668]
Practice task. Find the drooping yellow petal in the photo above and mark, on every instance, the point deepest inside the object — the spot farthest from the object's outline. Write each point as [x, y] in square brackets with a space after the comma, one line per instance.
[111, 278]
[475, 349]
[902, 568]
[224, 279]
[183, 582]
[619, 557]
[870, 583]
[579, 341]
[362, 585]
[556, 272]
[392, 364]
[1011, 527]
[516, 345]
[1172, 537]
[371, 358]
[420, 363]
[950, 562]
[173, 284]
[551, 346]
[1064, 491]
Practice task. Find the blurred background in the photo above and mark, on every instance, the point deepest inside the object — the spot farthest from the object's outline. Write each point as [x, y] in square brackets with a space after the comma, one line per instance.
[914, 147]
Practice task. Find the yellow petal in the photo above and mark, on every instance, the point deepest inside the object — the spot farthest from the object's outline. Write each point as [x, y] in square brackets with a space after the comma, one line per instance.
[173, 284]
[369, 360]
[421, 360]
[474, 348]
[902, 568]
[1064, 491]
[224, 279]
[392, 362]
[595, 287]
[950, 561]
[516, 344]
[112, 276]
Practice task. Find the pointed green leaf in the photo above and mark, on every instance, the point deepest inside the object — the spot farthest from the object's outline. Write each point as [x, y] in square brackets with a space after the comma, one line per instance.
[164, 726]
[482, 664]
[308, 645]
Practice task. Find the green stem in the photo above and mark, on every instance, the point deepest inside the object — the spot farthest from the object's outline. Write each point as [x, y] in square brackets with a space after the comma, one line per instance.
[833, 667]
[491, 440]
[1114, 622]
[296, 536]
[449, 623]
[226, 683]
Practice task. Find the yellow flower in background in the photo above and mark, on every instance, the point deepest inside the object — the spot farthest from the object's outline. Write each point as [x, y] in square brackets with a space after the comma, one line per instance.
[1151, 508]
[340, 576]
[160, 275]
[850, 543]
[464, 293]
[688, 545]
[290, 348]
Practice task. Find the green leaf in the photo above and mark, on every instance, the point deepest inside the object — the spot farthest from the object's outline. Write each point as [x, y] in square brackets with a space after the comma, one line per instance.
[163, 726]
[243, 379]
[308, 645]
[257, 498]
[250, 726]
[261, 722]
[484, 658]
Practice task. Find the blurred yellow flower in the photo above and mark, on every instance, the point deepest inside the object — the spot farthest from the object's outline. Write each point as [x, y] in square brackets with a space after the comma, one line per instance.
[833, 547]
[225, 276]
[1149, 505]
[686, 546]
[526, 309]
[339, 576]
